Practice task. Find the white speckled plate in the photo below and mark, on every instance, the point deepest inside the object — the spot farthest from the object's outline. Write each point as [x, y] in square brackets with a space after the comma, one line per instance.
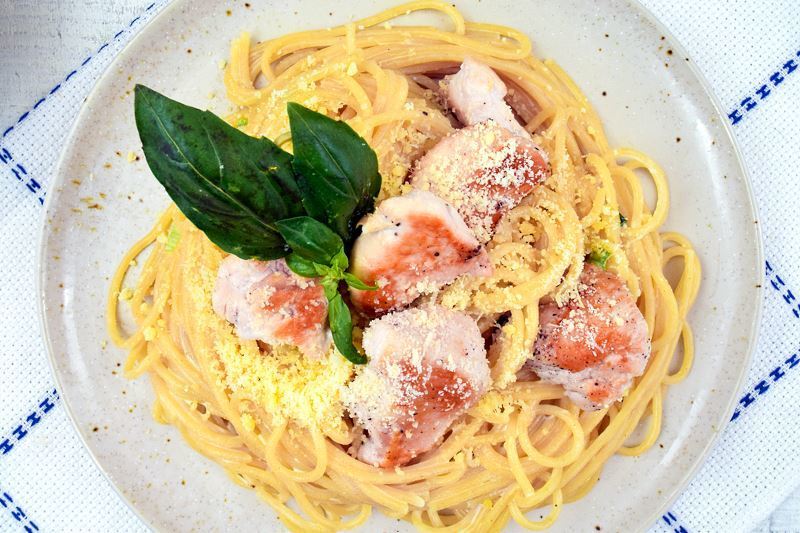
[648, 99]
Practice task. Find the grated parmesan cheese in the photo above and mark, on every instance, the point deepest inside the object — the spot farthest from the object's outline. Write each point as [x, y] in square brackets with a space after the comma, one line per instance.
[281, 381]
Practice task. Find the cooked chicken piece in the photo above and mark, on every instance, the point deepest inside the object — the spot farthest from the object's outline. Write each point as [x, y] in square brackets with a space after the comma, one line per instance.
[267, 301]
[593, 347]
[477, 94]
[412, 245]
[484, 171]
[488, 167]
[427, 367]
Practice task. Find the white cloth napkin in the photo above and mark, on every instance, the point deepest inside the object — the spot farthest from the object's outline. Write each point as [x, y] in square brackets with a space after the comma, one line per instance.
[750, 53]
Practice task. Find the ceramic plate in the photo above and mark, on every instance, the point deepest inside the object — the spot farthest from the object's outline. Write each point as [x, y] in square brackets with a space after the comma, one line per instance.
[647, 96]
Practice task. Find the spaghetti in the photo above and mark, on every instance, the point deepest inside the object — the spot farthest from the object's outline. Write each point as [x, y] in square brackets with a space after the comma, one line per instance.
[275, 422]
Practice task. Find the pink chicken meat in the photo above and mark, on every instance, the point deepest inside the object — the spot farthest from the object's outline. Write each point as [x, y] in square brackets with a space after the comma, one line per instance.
[427, 367]
[486, 168]
[411, 245]
[268, 302]
[476, 94]
[593, 347]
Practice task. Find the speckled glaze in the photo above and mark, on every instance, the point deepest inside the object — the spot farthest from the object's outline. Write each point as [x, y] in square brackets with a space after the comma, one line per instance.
[648, 98]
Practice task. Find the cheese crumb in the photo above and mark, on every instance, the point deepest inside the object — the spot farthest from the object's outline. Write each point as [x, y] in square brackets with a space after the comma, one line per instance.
[126, 294]
[131, 157]
[352, 69]
[248, 422]
[149, 333]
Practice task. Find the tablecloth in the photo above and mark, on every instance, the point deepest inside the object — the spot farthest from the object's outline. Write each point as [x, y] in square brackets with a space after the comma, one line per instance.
[750, 53]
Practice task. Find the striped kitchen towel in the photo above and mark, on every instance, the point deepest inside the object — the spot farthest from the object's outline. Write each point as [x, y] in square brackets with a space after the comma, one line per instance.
[750, 53]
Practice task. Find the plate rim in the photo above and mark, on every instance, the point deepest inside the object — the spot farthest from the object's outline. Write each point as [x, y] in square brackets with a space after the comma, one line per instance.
[175, 5]
[755, 326]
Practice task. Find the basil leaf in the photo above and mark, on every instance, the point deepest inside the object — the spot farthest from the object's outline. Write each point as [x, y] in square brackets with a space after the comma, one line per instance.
[310, 239]
[336, 169]
[342, 330]
[301, 266]
[331, 287]
[622, 220]
[600, 257]
[230, 185]
[340, 260]
[357, 283]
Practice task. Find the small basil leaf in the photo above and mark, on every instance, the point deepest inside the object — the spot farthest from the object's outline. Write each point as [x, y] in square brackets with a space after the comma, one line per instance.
[310, 239]
[600, 257]
[301, 266]
[331, 287]
[233, 187]
[342, 330]
[340, 260]
[622, 220]
[322, 270]
[356, 283]
[336, 170]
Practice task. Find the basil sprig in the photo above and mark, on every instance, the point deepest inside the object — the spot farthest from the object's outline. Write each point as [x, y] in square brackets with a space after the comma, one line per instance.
[318, 252]
[257, 201]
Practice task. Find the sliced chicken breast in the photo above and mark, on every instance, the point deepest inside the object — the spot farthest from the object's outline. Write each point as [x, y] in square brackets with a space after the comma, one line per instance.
[476, 94]
[484, 171]
[427, 367]
[594, 347]
[268, 302]
[412, 245]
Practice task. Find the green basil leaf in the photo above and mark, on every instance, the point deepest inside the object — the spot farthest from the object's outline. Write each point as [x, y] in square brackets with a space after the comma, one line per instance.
[331, 287]
[622, 220]
[336, 169]
[342, 330]
[233, 187]
[600, 257]
[310, 239]
[323, 270]
[357, 283]
[340, 260]
[301, 266]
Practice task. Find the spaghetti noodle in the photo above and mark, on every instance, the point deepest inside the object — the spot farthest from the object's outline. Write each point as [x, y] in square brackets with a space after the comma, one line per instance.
[275, 422]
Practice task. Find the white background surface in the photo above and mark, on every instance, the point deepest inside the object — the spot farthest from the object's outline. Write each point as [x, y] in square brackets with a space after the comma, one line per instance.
[42, 40]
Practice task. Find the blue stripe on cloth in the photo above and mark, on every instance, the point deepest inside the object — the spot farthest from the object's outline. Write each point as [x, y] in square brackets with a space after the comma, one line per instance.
[26, 114]
[15, 511]
[764, 90]
[674, 522]
[790, 363]
[21, 174]
[777, 283]
[35, 415]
